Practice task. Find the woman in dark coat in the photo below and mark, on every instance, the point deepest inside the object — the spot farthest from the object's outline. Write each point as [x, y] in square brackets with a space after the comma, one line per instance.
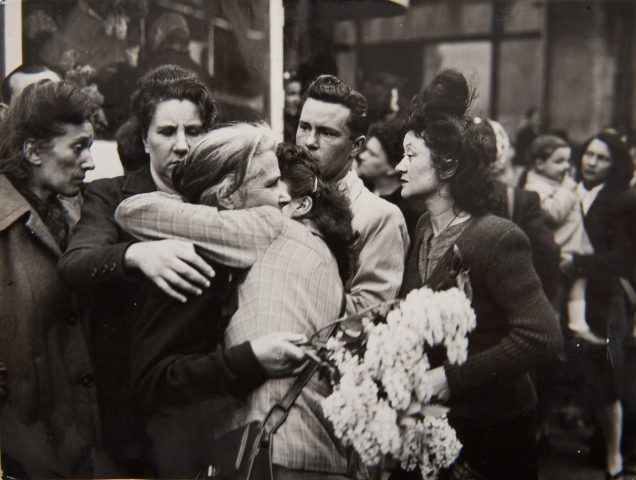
[491, 396]
[50, 423]
[170, 111]
[604, 168]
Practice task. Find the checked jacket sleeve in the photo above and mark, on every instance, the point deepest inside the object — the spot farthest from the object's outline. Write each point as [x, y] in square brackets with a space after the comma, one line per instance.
[236, 238]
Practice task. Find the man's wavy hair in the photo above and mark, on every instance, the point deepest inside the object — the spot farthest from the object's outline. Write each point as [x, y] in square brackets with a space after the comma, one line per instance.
[439, 116]
[162, 83]
[331, 211]
[331, 89]
[621, 169]
[220, 160]
[40, 112]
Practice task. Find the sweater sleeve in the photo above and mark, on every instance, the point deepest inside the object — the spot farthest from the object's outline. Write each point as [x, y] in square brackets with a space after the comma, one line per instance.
[176, 349]
[237, 238]
[533, 332]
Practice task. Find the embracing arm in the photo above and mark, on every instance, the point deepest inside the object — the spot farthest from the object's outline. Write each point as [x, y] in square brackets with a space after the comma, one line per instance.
[236, 238]
[99, 252]
[95, 253]
[179, 362]
[383, 244]
[533, 333]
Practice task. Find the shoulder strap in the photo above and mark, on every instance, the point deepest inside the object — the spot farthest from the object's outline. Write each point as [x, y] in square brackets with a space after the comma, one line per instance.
[278, 413]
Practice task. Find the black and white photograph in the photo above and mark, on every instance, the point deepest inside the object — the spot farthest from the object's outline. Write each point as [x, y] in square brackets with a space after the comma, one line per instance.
[318, 239]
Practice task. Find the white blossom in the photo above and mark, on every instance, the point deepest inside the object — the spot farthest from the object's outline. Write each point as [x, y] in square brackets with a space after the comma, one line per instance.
[371, 406]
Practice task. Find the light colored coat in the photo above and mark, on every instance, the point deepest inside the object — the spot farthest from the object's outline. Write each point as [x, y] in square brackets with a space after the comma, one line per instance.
[49, 422]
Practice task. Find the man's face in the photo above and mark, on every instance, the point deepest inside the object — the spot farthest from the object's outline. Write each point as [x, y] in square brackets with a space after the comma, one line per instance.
[323, 129]
[20, 81]
[262, 184]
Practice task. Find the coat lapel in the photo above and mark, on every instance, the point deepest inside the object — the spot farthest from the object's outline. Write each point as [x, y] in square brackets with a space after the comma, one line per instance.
[14, 208]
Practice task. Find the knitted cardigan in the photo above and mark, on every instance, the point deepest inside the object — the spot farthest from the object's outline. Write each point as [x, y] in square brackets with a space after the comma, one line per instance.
[516, 326]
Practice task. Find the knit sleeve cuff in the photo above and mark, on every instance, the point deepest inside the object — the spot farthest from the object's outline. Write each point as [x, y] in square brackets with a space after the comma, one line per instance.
[245, 366]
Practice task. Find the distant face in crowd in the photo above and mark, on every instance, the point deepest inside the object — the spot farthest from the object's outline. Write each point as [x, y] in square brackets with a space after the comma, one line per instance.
[19, 81]
[596, 163]
[292, 98]
[323, 129]
[373, 161]
[262, 184]
[175, 128]
[61, 163]
[556, 165]
[394, 102]
[416, 169]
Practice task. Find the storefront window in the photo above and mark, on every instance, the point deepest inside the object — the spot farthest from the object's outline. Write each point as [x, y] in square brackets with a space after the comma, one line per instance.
[105, 45]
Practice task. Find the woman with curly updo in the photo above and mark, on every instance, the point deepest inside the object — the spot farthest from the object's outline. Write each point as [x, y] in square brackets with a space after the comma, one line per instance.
[491, 397]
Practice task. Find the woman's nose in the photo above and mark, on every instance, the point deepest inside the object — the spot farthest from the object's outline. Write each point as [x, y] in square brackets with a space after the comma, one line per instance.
[181, 143]
[399, 168]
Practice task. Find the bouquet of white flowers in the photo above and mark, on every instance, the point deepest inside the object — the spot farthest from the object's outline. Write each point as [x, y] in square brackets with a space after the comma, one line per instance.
[377, 361]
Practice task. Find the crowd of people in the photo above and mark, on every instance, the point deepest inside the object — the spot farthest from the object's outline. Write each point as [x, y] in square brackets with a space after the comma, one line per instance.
[143, 316]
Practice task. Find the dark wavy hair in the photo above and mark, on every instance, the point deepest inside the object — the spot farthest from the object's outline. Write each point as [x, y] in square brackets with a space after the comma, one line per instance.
[331, 211]
[377, 90]
[331, 89]
[41, 113]
[162, 83]
[438, 116]
[621, 169]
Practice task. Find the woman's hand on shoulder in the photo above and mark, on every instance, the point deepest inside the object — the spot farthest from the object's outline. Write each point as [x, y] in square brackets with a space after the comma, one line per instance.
[172, 265]
[279, 353]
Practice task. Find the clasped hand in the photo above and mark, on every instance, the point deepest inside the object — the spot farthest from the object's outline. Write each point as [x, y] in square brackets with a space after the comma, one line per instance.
[279, 353]
[172, 265]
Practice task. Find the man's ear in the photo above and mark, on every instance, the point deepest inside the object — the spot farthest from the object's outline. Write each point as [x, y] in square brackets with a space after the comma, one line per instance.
[302, 208]
[31, 150]
[145, 142]
[358, 146]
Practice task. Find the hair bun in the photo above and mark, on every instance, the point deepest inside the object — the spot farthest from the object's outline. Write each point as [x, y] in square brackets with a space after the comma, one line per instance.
[447, 95]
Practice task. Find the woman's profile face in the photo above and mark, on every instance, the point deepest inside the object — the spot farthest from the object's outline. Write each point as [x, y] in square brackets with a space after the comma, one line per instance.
[374, 162]
[64, 160]
[174, 129]
[596, 163]
[416, 169]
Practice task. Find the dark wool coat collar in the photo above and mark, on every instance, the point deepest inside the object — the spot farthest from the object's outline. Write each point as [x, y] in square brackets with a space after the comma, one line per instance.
[14, 207]
[139, 181]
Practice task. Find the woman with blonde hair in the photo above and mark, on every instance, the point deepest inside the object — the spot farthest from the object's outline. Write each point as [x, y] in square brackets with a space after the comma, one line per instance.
[290, 242]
